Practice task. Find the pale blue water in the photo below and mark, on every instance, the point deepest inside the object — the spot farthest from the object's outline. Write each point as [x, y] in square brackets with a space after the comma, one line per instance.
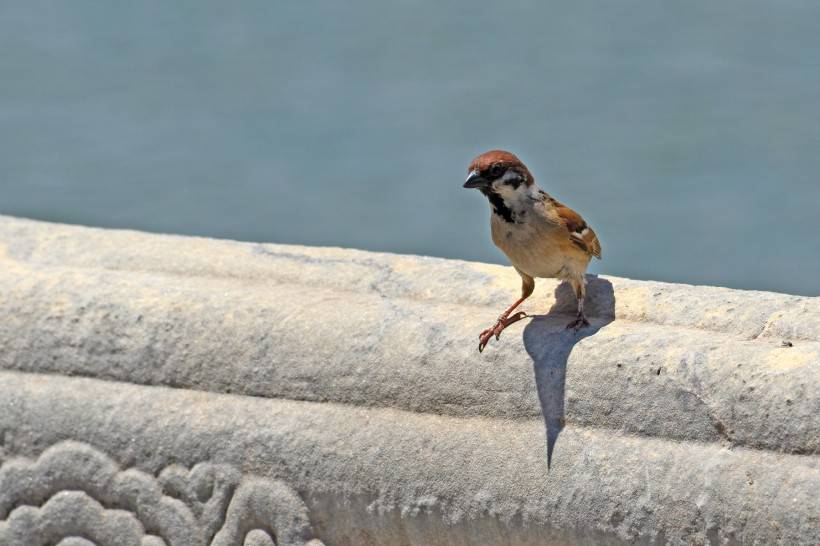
[688, 135]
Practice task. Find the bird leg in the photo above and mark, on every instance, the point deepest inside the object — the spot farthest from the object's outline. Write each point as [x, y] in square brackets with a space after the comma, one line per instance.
[580, 319]
[503, 321]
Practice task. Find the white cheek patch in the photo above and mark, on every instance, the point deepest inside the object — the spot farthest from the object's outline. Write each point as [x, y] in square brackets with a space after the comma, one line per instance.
[511, 175]
[514, 198]
[503, 185]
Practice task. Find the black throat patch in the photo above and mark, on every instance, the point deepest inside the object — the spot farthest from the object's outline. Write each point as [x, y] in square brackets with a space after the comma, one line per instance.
[499, 206]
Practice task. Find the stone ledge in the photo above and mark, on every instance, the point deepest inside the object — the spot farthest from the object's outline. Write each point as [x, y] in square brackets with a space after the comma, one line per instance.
[392, 477]
[76, 305]
[677, 415]
[750, 314]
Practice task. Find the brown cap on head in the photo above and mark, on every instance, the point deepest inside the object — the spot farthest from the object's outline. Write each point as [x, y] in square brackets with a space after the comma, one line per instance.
[488, 163]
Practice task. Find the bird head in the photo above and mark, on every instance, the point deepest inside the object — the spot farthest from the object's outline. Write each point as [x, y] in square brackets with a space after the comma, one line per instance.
[498, 172]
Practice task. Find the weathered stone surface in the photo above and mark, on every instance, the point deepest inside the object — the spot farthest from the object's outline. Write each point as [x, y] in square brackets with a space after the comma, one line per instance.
[73, 489]
[403, 477]
[352, 380]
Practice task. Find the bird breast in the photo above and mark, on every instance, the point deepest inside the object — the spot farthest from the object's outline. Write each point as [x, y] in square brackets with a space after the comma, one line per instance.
[539, 245]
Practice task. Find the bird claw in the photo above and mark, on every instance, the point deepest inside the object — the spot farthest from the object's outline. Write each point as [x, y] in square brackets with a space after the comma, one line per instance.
[502, 322]
[579, 322]
[484, 339]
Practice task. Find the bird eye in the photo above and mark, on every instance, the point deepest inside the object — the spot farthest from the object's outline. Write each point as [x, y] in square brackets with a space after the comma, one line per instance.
[496, 170]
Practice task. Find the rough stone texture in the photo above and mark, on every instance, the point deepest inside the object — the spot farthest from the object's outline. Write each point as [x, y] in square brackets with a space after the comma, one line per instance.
[73, 489]
[337, 395]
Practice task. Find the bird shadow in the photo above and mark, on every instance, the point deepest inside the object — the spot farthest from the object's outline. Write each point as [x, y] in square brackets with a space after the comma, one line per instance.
[549, 343]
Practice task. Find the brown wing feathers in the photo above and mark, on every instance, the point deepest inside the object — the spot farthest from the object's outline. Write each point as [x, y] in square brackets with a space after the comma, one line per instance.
[580, 233]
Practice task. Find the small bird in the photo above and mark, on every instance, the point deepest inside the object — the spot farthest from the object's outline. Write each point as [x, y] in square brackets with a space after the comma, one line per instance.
[540, 236]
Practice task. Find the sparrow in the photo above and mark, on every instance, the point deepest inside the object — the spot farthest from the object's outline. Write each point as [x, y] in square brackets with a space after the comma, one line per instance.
[540, 236]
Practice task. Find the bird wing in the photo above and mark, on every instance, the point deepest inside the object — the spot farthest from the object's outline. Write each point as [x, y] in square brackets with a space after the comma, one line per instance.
[580, 233]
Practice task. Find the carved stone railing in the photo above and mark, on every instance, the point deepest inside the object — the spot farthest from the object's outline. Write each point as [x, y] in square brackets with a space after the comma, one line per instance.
[173, 390]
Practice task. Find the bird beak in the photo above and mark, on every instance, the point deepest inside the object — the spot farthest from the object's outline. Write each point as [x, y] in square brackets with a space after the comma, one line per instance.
[475, 180]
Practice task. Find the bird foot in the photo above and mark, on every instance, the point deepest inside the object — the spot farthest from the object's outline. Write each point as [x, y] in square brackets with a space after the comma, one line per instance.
[579, 322]
[502, 322]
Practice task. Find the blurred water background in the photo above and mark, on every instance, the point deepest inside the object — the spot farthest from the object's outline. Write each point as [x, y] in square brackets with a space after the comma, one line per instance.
[687, 134]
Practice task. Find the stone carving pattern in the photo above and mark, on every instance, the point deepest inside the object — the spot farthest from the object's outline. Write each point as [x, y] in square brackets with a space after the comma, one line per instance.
[74, 495]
